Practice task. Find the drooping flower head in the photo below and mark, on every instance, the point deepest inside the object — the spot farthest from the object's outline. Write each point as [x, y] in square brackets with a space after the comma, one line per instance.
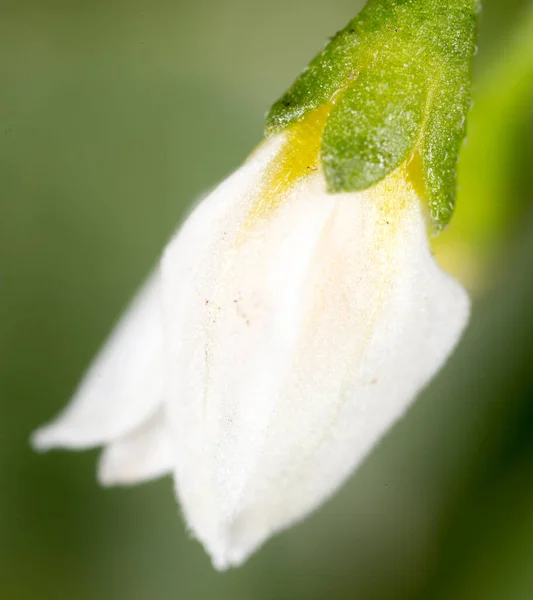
[299, 310]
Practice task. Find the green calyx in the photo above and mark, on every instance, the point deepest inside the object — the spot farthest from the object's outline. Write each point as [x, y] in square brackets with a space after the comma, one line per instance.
[398, 80]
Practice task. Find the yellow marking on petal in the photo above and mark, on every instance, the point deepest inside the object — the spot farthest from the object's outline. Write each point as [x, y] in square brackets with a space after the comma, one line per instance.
[394, 193]
[415, 174]
[453, 253]
[298, 158]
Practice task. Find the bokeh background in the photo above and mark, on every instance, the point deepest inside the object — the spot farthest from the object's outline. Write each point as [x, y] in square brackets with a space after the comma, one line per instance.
[114, 116]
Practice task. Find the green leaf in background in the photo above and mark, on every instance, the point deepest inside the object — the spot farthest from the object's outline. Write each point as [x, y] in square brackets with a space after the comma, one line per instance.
[490, 201]
[398, 79]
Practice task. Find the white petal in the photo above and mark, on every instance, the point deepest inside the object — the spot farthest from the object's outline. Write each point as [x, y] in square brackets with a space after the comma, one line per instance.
[124, 385]
[143, 455]
[293, 346]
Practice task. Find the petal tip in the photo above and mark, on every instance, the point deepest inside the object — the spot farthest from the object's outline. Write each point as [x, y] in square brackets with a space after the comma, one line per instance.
[59, 434]
[107, 475]
[44, 438]
[226, 557]
[231, 543]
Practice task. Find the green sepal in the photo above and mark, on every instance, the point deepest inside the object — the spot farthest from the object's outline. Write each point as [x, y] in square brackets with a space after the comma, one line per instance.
[371, 129]
[441, 139]
[398, 80]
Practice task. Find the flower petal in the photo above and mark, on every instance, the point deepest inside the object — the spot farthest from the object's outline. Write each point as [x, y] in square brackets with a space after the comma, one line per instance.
[140, 456]
[124, 385]
[293, 347]
[193, 271]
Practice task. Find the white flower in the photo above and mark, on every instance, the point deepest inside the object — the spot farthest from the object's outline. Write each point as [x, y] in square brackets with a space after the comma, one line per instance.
[286, 331]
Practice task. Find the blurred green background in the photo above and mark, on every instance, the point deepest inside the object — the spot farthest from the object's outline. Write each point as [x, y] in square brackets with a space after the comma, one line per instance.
[114, 116]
